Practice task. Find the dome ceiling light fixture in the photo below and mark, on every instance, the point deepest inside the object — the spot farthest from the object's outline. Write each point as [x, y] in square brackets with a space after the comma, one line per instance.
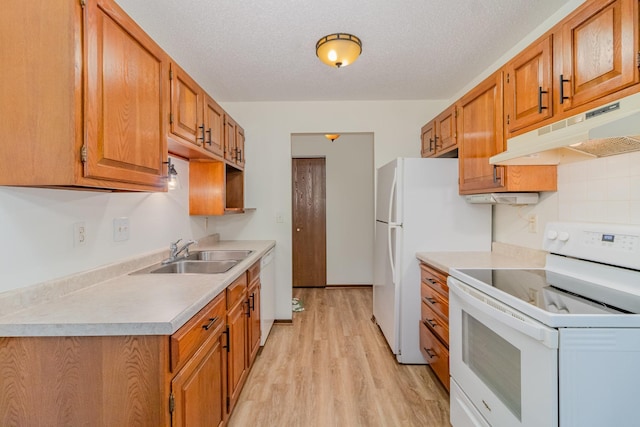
[339, 49]
[332, 136]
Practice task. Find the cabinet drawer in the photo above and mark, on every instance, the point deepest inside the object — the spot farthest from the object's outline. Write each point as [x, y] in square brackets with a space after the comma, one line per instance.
[436, 355]
[435, 301]
[435, 322]
[236, 290]
[253, 272]
[195, 332]
[434, 278]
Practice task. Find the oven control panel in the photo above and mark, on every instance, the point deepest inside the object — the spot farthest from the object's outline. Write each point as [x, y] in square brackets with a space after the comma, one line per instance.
[608, 243]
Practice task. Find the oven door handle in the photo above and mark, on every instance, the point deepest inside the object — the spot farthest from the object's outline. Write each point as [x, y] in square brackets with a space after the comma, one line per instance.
[483, 304]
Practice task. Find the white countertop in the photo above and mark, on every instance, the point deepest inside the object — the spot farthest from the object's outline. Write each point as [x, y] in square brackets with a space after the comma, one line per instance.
[145, 304]
[502, 256]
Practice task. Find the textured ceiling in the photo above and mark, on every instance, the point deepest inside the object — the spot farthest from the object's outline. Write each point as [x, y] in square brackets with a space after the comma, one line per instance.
[264, 50]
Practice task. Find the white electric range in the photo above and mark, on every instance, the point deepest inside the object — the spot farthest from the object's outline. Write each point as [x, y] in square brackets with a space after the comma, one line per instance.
[558, 346]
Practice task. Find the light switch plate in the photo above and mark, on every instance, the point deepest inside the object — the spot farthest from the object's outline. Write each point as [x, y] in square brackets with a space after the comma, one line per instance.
[120, 229]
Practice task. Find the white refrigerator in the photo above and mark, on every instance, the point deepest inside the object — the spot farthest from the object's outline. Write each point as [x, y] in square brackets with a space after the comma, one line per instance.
[418, 209]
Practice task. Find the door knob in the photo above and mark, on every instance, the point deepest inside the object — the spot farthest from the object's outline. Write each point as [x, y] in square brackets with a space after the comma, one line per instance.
[298, 229]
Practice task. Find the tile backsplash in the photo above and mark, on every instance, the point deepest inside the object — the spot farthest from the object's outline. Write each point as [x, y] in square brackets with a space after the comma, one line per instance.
[601, 190]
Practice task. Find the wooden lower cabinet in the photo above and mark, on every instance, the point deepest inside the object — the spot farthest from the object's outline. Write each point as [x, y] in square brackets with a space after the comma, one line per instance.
[190, 379]
[434, 321]
[237, 314]
[253, 327]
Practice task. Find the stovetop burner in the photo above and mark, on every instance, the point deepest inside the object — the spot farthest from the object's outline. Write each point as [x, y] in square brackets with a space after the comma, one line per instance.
[542, 289]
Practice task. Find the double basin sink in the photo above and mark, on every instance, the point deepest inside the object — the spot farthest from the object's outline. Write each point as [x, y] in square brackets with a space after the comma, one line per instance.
[199, 262]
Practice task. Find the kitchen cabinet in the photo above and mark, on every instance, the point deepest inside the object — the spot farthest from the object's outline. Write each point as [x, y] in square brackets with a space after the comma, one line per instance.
[196, 128]
[237, 313]
[480, 125]
[234, 143]
[215, 188]
[253, 328]
[198, 390]
[94, 115]
[239, 146]
[434, 321]
[599, 51]
[528, 86]
[439, 136]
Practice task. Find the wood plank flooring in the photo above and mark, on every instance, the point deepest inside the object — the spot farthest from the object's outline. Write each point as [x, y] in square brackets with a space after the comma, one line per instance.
[332, 367]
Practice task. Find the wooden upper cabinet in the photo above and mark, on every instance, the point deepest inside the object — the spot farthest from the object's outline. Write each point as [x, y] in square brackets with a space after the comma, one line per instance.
[239, 146]
[599, 51]
[214, 126]
[428, 133]
[480, 136]
[100, 116]
[439, 136]
[187, 100]
[229, 139]
[124, 108]
[528, 86]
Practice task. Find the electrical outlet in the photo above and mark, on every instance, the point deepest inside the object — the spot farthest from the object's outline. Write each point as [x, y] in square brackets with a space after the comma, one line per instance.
[533, 223]
[79, 233]
[120, 229]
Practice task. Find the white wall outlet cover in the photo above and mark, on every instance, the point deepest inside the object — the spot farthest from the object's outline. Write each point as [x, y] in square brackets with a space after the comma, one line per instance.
[79, 233]
[120, 229]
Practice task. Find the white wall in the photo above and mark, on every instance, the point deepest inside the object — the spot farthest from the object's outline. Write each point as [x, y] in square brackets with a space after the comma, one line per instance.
[36, 229]
[268, 128]
[600, 190]
[349, 203]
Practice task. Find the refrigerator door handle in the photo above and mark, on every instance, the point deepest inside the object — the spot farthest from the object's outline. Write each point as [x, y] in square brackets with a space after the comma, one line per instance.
[391, 225]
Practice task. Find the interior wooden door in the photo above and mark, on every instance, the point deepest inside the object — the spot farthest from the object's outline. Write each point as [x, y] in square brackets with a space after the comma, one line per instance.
[309, 223]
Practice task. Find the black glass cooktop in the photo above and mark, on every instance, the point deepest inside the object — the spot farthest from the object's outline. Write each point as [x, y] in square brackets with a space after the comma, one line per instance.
[547, 290]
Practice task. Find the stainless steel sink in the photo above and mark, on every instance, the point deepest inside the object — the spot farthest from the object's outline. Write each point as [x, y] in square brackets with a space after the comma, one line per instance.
[195, 267]
[219, 255]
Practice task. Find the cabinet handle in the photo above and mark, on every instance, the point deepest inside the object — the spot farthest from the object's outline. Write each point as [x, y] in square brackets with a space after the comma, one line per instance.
[430, 322]
[429, 352]
[540, 93]
[435, 142]
[433, 282]
[209, 133]
[562, 82]
[248, 312]
[430, 300]
[228, 344]
[201, 127]
[252, 303]
[239, 155]
[430, 144]
[210, 324]
[496, 178]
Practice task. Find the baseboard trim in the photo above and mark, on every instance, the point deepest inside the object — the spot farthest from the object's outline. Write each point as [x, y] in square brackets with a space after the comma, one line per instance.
[338, 286]
[283, 321]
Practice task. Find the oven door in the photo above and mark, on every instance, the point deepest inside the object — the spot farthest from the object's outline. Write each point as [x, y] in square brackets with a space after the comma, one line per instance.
[504, 362]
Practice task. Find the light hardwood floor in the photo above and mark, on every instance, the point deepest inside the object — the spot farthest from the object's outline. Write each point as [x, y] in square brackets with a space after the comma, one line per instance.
[332, 367]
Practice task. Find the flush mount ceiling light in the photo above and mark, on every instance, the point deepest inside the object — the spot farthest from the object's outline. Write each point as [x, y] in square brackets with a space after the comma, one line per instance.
[339, 49]
[332, 136]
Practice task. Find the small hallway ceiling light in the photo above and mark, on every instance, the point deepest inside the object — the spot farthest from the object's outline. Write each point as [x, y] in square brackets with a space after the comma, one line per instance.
[339, 49]
[332, 136]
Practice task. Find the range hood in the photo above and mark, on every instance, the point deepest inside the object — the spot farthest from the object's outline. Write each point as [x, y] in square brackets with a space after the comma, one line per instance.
[604, 131]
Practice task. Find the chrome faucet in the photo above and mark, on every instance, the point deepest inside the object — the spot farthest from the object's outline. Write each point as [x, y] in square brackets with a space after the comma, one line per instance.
[176, 252]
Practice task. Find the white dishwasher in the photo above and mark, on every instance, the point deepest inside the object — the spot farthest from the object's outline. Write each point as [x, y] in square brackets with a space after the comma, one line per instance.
[267, 294]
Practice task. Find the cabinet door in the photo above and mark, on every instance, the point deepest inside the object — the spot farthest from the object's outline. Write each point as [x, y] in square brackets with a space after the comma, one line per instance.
[187, 100]
[254, 321]
[528, 86]
[599, 51]
[237, 351]
[446, 132]
[239, 146]
[124, 101]
[480, 136]
[214, 126]
[199, 389]
[229, 139]
[427, 138]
